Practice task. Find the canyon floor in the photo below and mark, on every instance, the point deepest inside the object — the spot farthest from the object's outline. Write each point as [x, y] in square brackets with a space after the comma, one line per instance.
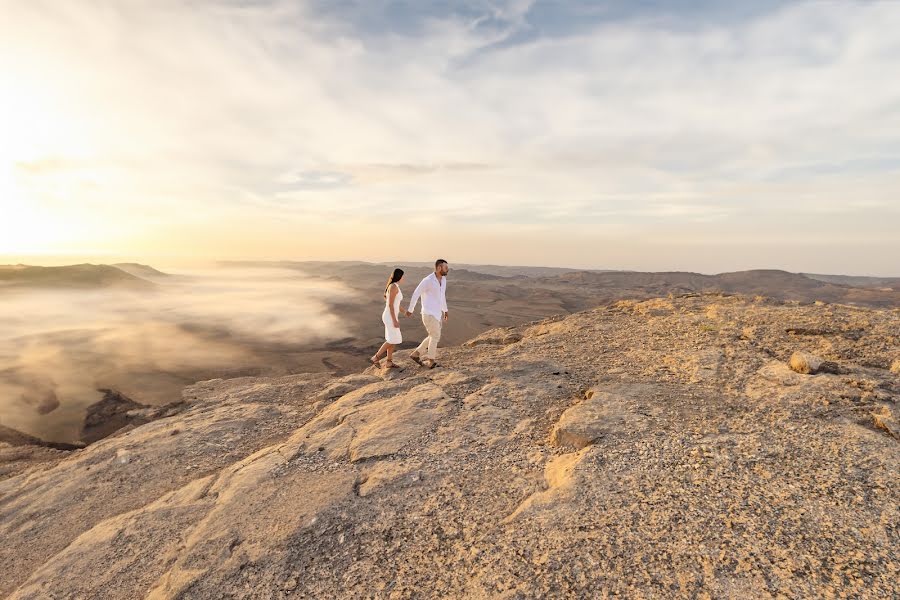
[703, 446]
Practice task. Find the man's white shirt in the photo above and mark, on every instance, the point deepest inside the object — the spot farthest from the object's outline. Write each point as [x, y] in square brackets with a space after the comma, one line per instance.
[434, 296]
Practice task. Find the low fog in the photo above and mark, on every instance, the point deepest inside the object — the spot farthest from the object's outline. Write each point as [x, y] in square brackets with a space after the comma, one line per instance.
[59, 346]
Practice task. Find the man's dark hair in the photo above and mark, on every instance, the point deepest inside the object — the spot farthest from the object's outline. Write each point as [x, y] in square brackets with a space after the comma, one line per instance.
[439, 262]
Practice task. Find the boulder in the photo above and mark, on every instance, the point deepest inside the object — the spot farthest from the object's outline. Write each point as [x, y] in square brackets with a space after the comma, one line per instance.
[806, 363]
[810, 364]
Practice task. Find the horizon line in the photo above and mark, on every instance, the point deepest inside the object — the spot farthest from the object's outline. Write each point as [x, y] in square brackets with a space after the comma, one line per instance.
[17, 260]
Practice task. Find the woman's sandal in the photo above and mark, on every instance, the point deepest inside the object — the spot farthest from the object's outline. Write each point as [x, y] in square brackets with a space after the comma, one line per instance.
[375, 361]
[390, 365]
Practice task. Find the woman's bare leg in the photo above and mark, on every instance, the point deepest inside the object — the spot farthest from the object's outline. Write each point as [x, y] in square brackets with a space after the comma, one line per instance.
[382, 350]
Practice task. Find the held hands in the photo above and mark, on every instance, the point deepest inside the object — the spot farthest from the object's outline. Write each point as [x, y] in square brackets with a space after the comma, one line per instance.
[446, 315]
[407, 313]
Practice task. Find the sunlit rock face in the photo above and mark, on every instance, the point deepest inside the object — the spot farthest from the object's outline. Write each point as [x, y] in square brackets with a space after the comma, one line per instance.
[657, 448]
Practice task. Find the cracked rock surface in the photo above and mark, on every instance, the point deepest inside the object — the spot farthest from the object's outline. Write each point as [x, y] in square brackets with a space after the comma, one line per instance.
[662, 449]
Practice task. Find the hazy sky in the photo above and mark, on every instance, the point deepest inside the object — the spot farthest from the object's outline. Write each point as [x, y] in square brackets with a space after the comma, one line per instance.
[643, 135]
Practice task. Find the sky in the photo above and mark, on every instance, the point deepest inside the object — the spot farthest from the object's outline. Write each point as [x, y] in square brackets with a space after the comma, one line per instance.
[681, 135]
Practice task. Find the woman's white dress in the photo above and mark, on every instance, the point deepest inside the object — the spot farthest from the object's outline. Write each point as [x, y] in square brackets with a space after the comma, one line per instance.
[392, 334]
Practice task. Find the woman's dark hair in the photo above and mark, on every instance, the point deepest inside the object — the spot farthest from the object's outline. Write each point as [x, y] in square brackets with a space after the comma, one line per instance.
[394, 278]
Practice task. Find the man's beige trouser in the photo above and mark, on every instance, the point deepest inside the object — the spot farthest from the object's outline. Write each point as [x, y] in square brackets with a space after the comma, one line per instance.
[429, 344]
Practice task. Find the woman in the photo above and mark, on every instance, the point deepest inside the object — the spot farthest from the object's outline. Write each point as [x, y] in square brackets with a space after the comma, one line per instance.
[392, 335]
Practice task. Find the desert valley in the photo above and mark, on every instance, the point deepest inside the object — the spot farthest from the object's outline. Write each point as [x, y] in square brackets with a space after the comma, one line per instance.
[73, 332]
[586, 434]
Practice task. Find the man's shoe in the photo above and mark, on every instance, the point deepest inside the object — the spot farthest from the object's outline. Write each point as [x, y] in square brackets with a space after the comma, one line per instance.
[416, 359]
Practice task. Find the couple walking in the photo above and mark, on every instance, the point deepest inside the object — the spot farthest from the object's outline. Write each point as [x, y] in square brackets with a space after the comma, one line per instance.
[433, 292]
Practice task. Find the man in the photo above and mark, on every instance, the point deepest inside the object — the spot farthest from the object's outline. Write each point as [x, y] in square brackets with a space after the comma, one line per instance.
[433, 291]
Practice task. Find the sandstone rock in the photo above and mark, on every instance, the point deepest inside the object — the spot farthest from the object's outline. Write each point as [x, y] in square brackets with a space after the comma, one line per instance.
[386, 473]
[221, 546]
[496, 337]
[345, 385]
[90, 485]
[97, 545]
[780, 374]
[602, 413]
[895, 367]
[490, 425]
[270, 390]
[656, 307]
[382, 430]
[810, 364]
[562, 476]
[705, 365]
[805, 363]
[886, 420]
[364, 424]
[145, 414]
[548, 327]
[391, 374]
[17, 459]
[447, 378]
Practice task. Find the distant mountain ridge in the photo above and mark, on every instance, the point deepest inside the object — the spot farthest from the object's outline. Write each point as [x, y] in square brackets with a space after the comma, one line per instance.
[858, 280]
[781, 285]
[139, 270]
[579, 289]
[500, 270]
[737, 281]
[70, 276]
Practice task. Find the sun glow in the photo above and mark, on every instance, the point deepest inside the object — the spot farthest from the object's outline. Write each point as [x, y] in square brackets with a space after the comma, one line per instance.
[37, 133]
[22, 229]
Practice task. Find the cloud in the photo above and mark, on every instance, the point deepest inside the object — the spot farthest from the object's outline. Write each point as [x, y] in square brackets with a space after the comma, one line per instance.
[511, 114]
[315, 179]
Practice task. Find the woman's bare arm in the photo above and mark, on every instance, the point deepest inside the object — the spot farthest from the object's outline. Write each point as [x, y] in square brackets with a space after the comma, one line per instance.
[391, 295]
